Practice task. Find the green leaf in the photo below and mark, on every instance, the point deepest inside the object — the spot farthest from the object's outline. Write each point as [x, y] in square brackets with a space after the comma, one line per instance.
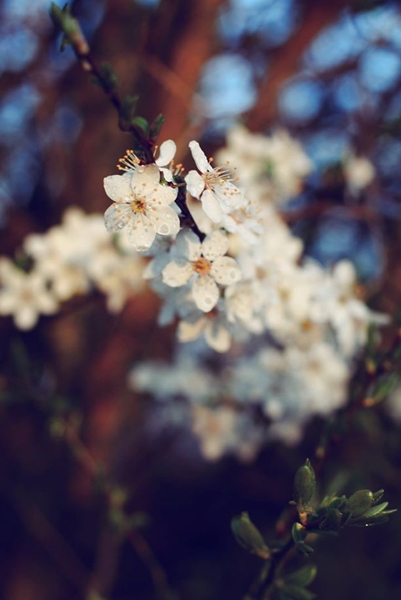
[296, 592]
[332, 521]
[142, 124]
[375, 510]
[71, 29]
[384, 386]
[340, 503]
[377, 496]
[156, 126]
[248, 536]
[302, 577]
[305, 548]
[299, 533]
[109, 77]
[127, 112]
[379, 520]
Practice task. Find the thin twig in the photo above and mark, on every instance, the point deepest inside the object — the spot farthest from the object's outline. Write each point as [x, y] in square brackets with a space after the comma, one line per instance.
[135, 537]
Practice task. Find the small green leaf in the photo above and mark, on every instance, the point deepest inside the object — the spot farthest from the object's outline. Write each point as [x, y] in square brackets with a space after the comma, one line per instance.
[142, 124]
[127, 112]
[332, 521]
[248, 536]
[71, 29]
[302, 577]
[305, 548]
[375, 510]
[377, 496]
[156, 127]
[109, 79]
[339, 502]
[384, 386]
[296, 592]
[379, 520]
[299, 533]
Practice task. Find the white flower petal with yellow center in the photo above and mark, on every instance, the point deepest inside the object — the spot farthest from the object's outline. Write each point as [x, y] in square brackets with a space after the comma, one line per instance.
[141, 205]
[204, 264]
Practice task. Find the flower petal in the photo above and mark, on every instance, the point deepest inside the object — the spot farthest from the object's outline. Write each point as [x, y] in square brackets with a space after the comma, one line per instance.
[166, 221]
[118, 187]
[141, 233]
[205, 292]
[211, 206]
[225, 270]
[177, 273]
[215, 244]
[117, 216]
[145, 177]
[195, 184]
[229, 196]
[166, 153]
[26, 317]
[187, 244]
[161, 195]
[189, 330]
[199, 157]
[217, 336]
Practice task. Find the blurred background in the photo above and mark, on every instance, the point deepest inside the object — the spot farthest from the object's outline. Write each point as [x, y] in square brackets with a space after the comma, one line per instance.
[330, 73]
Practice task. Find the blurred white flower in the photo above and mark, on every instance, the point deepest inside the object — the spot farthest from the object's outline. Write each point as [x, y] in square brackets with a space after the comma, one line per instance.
[213, 326]
[272, 167]
[141, 205]
[25, 296]
[359, 173]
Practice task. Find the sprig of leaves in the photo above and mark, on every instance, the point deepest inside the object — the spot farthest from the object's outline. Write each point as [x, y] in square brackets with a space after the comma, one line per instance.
[363, 508]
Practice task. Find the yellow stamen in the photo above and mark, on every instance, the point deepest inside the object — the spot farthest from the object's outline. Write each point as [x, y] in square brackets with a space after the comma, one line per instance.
[202, 266]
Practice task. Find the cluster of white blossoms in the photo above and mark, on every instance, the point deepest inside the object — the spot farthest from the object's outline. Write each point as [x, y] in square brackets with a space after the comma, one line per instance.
[286, 329]
[70, 259]
[270, 336]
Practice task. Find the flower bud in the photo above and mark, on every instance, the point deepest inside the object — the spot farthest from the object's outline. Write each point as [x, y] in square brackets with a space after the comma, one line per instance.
[248, 536]
[304, 485]
[360, 502]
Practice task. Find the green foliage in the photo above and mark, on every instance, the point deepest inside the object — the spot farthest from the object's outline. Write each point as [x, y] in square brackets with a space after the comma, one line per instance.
[156, 126]
[248, 536]
[70, 28]
[109, 78]
[363, 508]
[127, 112]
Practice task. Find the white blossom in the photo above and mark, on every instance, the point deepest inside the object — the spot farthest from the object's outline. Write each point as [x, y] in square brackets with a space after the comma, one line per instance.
[25, 296]
[214, 188]
[141, 206]
[205, 264]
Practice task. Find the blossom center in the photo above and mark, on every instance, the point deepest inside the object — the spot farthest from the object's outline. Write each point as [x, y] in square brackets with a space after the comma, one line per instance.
[138, 206]
[202, 266]
[218, 177]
